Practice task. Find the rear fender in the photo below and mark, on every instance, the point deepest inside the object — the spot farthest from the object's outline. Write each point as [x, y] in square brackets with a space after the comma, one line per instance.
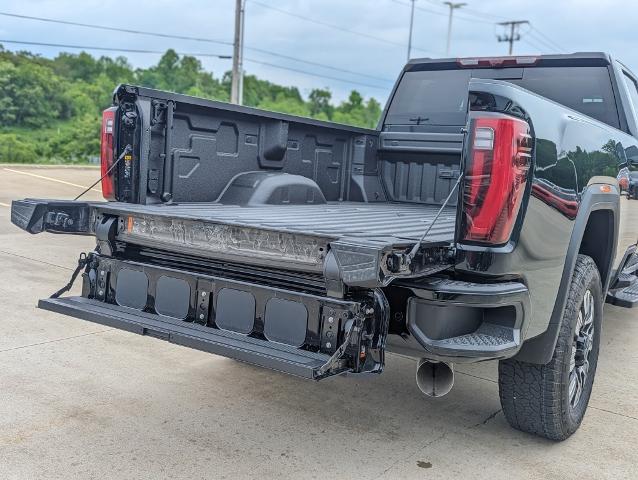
[540, 348]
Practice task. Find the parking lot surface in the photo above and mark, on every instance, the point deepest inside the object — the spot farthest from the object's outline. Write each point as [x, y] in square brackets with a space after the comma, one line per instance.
[80, 400]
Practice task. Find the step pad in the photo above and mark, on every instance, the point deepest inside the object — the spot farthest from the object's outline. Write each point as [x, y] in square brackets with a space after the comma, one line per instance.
[486, 336]
[632, 265]
[625, 297]
[625, 280]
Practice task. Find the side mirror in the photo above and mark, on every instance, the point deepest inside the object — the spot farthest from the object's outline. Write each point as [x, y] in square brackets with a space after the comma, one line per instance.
[632, 154]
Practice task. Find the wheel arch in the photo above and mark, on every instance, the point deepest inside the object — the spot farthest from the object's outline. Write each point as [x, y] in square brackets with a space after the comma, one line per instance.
[598, 210]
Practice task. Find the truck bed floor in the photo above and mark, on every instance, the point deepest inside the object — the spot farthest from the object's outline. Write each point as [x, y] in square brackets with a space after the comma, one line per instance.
[371, 222]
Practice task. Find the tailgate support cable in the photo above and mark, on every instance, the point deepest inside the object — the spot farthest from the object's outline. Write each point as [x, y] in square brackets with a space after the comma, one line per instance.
[82, 262]
[410, 256]
[128, 149]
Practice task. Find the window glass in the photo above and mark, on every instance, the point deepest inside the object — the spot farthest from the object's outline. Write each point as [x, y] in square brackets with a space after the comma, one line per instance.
[633, 92]
[584, 89]
[439, 97]
[431, 98]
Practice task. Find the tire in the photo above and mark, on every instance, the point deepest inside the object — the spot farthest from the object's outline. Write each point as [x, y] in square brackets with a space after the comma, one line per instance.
[541, 399]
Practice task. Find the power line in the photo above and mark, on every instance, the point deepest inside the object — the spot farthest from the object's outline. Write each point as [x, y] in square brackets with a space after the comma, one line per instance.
[116, 29]
[259, 62]
[309, 62]
[334, 26]
[109, 49]
[487, 18]
[536, 46]
[460, 17]
[546, 46]
[476, 13]
[304, 72]
[537, 33]
[196, 39]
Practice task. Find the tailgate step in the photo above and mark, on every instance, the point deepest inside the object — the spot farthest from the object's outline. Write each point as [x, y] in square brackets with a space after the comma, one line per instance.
[266, 354]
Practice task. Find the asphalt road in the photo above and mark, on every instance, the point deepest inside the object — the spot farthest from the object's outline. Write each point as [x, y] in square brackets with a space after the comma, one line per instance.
[80, 400]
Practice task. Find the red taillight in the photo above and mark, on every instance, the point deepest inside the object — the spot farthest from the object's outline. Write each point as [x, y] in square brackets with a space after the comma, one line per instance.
[106, 153]
[495, 177]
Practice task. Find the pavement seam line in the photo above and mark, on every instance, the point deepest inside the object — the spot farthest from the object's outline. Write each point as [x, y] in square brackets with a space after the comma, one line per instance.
[56, 340]
[35, 260]
[613, 413]
[475, 376]
[590, 406]
[50, 179]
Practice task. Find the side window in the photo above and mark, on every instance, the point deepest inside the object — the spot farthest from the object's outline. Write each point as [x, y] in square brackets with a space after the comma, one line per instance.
[632, 88]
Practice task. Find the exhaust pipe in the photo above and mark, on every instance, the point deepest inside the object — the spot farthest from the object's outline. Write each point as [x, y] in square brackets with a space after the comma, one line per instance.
[435, 379]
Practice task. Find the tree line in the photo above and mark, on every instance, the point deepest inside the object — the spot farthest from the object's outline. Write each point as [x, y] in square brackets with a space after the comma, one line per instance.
[50, 109]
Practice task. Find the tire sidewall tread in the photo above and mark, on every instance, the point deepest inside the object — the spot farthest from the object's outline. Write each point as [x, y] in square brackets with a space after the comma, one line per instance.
[535, 398]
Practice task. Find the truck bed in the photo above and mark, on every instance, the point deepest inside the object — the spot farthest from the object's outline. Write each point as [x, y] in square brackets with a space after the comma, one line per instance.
[361, 223]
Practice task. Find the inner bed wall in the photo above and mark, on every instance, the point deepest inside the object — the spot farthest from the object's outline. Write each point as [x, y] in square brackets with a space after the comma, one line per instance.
[418, 177]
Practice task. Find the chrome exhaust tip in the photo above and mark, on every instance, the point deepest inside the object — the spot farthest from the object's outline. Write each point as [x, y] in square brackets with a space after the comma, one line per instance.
[434, 379]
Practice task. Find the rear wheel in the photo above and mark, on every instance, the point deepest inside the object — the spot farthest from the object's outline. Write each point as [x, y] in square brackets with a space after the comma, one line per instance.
[550, 400]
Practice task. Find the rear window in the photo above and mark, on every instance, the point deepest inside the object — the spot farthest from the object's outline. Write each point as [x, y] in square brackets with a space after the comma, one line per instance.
[431, 98]
[440, 97]
[584, 89]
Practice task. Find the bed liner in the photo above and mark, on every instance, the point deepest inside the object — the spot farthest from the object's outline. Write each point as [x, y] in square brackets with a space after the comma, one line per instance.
[361, 223]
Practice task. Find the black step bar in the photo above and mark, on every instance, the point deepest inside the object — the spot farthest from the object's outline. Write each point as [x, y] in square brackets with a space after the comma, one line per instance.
[624, 289]
[265, 354]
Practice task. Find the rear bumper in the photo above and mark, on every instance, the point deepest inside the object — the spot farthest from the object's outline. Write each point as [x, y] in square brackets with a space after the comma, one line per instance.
[459, 321]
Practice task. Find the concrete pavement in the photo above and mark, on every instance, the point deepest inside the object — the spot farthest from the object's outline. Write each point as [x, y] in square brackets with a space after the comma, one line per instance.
[80, 400]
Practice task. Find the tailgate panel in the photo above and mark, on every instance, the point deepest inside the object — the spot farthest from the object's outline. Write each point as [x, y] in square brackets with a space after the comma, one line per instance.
[274, 356]
[295, 332]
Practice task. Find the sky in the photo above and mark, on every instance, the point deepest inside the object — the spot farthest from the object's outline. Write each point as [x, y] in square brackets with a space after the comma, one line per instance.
[336, 44]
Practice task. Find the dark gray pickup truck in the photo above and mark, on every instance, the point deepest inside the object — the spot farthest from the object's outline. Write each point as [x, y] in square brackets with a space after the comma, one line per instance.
[481, 220]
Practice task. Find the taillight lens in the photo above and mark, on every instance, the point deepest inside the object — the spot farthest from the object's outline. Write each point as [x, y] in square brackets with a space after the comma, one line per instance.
[495, 177]
[106, 153]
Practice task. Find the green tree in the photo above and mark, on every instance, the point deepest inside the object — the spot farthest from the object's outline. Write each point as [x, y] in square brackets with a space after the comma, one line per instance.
[319, 100]
[50, 109]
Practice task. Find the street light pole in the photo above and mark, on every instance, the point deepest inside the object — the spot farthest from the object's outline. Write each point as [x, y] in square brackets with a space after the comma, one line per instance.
[236, 85]
[453, 6]
[411, 24]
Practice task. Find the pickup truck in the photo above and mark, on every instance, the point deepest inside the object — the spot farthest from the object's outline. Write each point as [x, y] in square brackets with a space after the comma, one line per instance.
[482, 220]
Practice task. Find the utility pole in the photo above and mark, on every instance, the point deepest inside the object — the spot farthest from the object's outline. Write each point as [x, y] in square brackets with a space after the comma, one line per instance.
[453, 6]
[513, 36]
[236, 85]
[411, 24]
